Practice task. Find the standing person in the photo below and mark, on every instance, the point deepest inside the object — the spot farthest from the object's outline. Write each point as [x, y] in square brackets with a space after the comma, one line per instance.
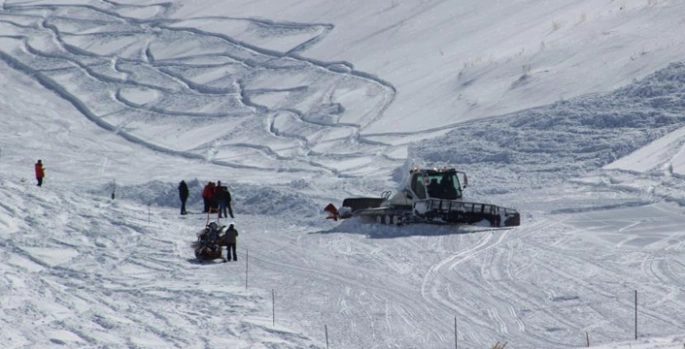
[228, 203]
[230, 241]
[223, 198]
[183, 194]
[40, 172]
[207, 196]
[213, 207]
[220, 198]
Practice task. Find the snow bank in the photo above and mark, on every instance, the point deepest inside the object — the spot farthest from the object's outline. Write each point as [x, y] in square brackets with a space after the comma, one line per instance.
[566, 138]
[246, 198]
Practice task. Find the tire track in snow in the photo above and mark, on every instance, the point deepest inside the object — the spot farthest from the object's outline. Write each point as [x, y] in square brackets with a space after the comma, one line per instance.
[145, 250]
[502, 300]
[389, 298]
[557, 263]
[65, 283]
[657, 269]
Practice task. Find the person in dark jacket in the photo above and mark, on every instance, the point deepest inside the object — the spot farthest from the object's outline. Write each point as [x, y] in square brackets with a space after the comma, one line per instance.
[223, 199]
[40, 172]
[434, 189]
[183, 194]
[230, 239]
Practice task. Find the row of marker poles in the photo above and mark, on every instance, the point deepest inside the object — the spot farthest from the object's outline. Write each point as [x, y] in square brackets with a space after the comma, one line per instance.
[273, 292]
[273, 298]
[456, 333]
[456, 342]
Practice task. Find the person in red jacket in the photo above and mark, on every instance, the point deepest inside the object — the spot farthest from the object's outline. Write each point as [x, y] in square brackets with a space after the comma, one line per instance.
[40, 172]
[213, 206]
[208, 196]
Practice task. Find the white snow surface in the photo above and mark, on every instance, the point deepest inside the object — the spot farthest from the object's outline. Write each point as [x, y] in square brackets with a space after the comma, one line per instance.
[571, 112]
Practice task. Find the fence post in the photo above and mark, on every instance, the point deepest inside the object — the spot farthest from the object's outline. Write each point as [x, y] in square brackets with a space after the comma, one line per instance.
[587, 339]
[635, 314]
[455, 333]
[246, 264]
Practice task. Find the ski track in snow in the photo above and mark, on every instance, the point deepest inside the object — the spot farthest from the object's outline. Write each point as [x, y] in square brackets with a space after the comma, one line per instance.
[235, 84]
[490, 280]
[376, 285]
[143, 262]
[138, 263]
[369, 285]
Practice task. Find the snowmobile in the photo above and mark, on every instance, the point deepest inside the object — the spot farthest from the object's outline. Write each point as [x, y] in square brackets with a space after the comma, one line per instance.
[432, 196]
[209, 242]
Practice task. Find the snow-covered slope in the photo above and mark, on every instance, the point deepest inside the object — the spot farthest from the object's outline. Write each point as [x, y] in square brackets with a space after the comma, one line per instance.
[451, 62]
[572, 112]
[84, 271]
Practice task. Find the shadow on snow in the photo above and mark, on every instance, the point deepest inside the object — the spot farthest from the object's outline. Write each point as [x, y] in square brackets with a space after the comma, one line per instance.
[380, 231]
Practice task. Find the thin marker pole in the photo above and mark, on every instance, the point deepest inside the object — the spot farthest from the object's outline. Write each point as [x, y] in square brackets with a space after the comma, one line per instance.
[455, 333]
[635, 314]
[273, 307]
[246, 264]
[587, 339]
[326, 329]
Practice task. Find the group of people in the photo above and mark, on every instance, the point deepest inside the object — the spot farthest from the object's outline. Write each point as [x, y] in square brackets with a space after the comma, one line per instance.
[216, 198]
[445, 189]
[211, 239]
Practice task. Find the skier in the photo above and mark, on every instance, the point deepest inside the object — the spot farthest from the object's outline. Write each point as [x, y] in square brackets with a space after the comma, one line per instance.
[183, 194]
[40, 172]
[230, 241]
